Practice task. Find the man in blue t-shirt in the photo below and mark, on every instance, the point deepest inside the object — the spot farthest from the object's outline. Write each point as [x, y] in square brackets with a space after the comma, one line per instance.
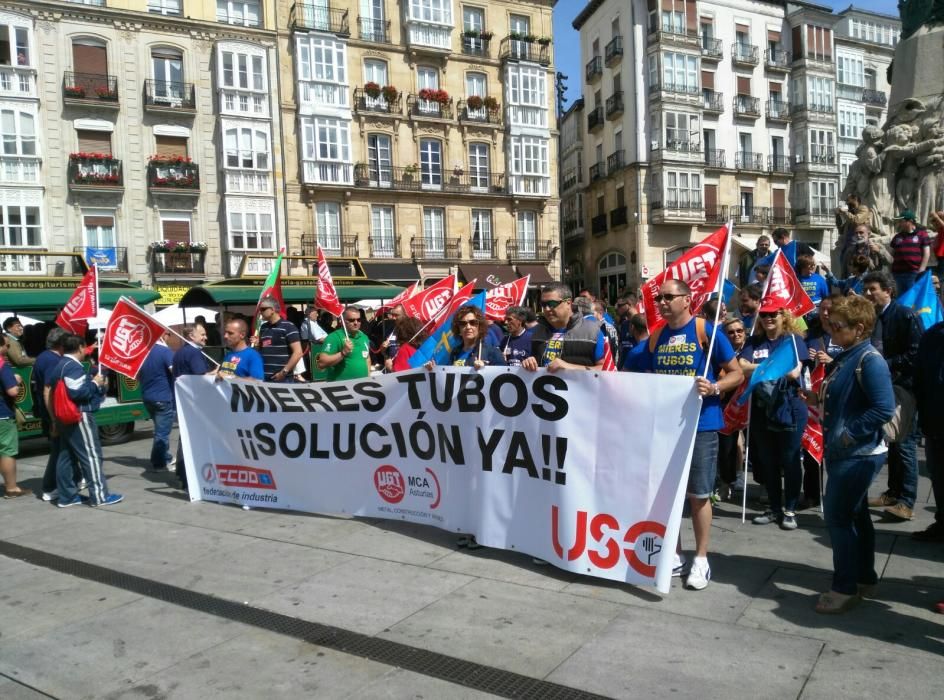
[516, 346]
[681, 347]
[241, 360]
[156, 378]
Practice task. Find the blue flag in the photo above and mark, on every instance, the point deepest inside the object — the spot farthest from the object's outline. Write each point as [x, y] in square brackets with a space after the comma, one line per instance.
[789, 252]
[781, 362]
[923, 301]
[728, 292]
[440, 343]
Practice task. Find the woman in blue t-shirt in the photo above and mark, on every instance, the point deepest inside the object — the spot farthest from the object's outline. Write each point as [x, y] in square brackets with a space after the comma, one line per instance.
[778, 417]
[473, 350]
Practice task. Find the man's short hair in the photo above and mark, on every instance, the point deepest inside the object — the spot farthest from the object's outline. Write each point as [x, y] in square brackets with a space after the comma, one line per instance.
[558, 288]
[10, 322]
[55, 338]
[781, 233]
[638, 322]
[240, 324]
[883, 279]
[269, 303]
[72, 343]
[519, 312]
[680, 286]
[763, 237]
[599, 306]
[753, 291]
[583, 306]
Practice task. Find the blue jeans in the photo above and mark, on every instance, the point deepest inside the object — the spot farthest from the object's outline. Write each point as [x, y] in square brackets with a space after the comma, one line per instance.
[903, 468]
[846, 511]
[704, 466]
[777, 457]
[162, 413]
[904, 281]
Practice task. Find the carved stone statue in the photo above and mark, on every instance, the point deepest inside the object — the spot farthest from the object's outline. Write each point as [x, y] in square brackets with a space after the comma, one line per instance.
[918, 13]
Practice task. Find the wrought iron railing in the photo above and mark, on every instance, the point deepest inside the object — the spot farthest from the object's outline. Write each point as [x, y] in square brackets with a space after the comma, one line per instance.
[375, 30]
[528, 250]
[744, 53]
[344, 246]
[595, 118]
[436, 248]
[746, 106]
[594, 68]
[94, 171]
[615, 162]
[778, 59]
[415, 179]
[377, 105]
[172, 175]
[614, 104]
[712, 49]
[745, 160]
[169, 94]
[428, 109]
[384, 246]
[110, 259]
[320, 18]
[614, 50]
[598, 225]
[523, 50]
[715, 158]
[618, 217]
[90, 86]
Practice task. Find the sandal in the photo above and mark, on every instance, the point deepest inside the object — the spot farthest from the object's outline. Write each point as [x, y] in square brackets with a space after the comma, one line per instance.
[833, 603]
[17, 493]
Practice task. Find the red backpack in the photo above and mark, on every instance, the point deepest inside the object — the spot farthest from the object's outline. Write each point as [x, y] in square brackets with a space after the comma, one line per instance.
[63, 407]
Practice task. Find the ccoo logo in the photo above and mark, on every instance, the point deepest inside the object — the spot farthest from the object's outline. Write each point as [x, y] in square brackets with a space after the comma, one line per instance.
[389, 483]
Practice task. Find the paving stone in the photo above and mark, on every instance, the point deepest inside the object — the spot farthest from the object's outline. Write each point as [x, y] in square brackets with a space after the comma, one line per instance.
[871, 673]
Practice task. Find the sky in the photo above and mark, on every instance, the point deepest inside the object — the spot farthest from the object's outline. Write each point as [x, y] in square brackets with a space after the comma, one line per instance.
[567, 41]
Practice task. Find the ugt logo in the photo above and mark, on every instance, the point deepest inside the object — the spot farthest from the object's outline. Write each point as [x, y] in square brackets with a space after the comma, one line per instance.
[389, 483]
[76, 303]
[130, 338]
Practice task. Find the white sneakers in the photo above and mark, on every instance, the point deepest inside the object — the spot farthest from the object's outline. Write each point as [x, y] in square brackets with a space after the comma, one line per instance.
[699, 574]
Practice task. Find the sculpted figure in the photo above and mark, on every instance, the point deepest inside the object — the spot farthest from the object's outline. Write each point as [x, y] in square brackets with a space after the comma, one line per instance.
[930, 177]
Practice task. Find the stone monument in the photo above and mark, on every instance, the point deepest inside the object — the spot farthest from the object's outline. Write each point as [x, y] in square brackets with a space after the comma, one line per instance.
[901, 165]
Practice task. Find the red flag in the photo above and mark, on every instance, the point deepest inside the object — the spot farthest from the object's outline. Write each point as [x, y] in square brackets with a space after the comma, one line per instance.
[271, 289]
[427, 303]
[463, 296]
[817, 377]
[498, 299]
[83, 304]
[736, 416]
[129, 337]
[699, 268]
[783, 286]
[609, 365]
[326, 296]
[399, 298]
[812, 439]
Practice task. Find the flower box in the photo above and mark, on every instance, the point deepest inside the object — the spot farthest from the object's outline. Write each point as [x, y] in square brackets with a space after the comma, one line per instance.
[432, 95]
[74, 92]
[490, 103]
[475, 102]
[372, 90]
[390, 93]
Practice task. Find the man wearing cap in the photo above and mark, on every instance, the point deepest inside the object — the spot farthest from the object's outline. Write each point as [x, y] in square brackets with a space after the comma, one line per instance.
[911, 251]
[279, 344]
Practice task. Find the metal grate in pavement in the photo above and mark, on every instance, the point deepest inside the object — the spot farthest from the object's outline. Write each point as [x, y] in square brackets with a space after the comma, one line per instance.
[428, 663]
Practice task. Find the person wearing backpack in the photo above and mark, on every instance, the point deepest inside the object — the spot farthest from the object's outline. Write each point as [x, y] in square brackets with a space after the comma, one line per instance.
[79, 441]
[9, 435]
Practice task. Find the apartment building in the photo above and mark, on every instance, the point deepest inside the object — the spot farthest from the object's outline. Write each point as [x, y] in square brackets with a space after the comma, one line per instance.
[423, 136]
[700, 112]
[142, 133]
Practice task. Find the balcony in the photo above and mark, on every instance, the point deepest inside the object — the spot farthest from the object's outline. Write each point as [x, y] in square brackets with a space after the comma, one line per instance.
[173, 176]
[744, 55]
[391, 104]
[333, 246]
[716, 215]
[523, 250]
[110, 260]
[713, 101]
[618, 217]
[17, 81]
[477, 45]
[613, 53]
[614, 105]
[571, 179]
[874, 98]
[414, 179]
[90, 89]
[779, 216]
[420, 108]
[779, 164]
[754, 216]
[778, 111]
[685, 147]
[598, 225]
[573, 229]
[373, 30]
[384, 246]
[597, 172]
[436, 249]
[675, 92]
[819, 213]
[93, 172]
[715, 159]
[238, 181]
[20, 170]
[483, 249]
[326, 172]
[777, 60]
[672, 35]
[594, 69]
[529, 185]
[815, 61]
[821, 111]
[711, 49]
[518, 49]
[688, 210]
[595, 118]
[169, 97]
[746, 106]
[319, 18]
[424, 36]
[820, 157]
[615, 162]
[177, 264]
[745, 160]
[474, 110]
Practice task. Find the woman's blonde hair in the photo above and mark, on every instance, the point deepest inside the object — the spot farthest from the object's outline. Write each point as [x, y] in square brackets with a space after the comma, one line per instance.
[854, 310]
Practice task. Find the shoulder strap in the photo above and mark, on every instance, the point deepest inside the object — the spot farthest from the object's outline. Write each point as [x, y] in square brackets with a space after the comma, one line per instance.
[700, 333]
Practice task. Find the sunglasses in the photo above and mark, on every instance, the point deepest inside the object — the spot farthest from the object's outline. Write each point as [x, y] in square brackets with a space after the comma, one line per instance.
[769, 314]
[736, 330]
[668, 298]
[463, 324]
[352, 320]
[553, 303]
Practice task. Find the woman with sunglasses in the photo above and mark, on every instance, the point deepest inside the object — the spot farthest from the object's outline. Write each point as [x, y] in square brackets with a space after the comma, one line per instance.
[473, 350]
[856, 400]
[778, 417]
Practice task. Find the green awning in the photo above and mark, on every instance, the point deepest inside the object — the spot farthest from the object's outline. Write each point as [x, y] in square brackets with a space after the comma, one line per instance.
[235, 295]
[46, 303]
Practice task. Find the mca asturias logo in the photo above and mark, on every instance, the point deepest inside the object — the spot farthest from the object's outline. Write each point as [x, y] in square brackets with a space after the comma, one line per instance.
[393, 487]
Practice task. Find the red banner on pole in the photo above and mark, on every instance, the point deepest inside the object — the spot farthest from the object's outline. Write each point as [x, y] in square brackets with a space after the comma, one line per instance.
[426, 304]
[812, 440]
[699, 268]
[784, 289]
[82, 305]
[499, 299]
[326, 296]
[399, 298]
[129, 337]
[736, 416]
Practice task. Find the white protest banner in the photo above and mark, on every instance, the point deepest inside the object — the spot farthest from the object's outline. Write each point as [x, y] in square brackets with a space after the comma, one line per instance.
[586, 470]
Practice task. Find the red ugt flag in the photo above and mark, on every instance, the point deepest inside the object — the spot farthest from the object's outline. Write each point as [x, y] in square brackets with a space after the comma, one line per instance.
[812, 440]
[129, 337]
[82, 305]
[426, 304]
[699, 268]
[784, 286]
[399, 298]
[498, 299]
[736, 415]
[326, 296]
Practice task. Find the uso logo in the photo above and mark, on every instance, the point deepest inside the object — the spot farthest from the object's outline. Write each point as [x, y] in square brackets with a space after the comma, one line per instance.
[389, 483]
[245, 477]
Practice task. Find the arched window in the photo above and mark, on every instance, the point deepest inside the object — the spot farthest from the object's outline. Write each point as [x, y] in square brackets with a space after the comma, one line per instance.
[611, 271]
[167, 68]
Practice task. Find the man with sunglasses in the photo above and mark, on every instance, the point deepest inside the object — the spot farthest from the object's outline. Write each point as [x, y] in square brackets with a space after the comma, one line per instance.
[346, 356]
[279, 343]
[562, 339]
[681, 348]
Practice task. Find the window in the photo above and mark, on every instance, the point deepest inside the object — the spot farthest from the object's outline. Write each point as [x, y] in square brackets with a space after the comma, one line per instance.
[382, 237]
[819, 43]
[243, 71]
[326, 139]
[527, 234]
[681, 131]
[680, 72]
[673, 22]
[436, 11]
[822, 197]
[251, 230]
[379, 159]
[820, 93]
[682, 190]
[850, 70]
[372, 20]
[164, 7]
[528, 85]
[478, 165]
[322, 71]
[14, 46]
[427, 78]
[240, 12]
[167, 67]
[473, 18]
[100, 239]
[375, 71]
[246, 148]
[434, 229]
[481, 233]
[529, 155]
[821, 146]
[328, 226]
[19, 227]
[431, 163]
[475, 84]
[18, 133]
[851, 122]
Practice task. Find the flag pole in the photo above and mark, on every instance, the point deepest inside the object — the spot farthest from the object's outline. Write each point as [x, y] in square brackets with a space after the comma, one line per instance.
[725, 257]
[98, 330]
